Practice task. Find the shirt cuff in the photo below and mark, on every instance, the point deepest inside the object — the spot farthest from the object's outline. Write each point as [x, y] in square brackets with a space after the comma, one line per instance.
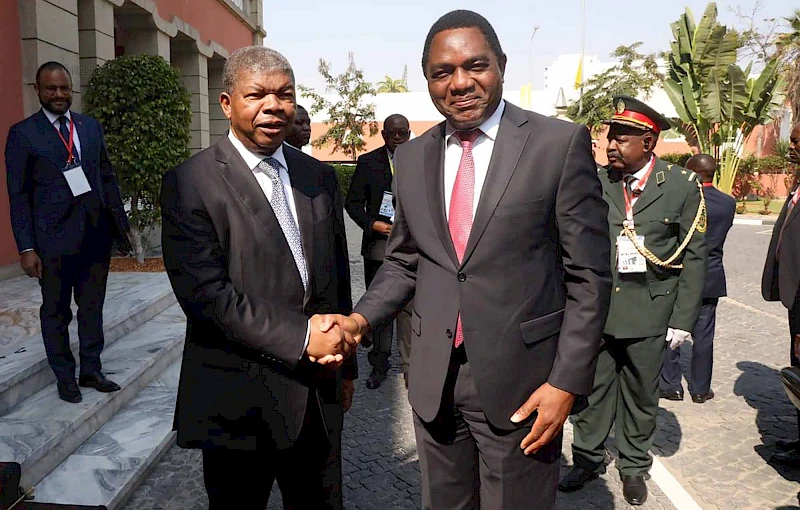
[23, 251]
[308, 336]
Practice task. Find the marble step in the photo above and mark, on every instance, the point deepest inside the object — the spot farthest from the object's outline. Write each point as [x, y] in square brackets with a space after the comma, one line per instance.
[112, 463]
[43, 430]
[131, 300]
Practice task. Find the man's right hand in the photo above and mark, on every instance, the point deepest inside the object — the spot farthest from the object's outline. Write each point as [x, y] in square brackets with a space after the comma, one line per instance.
[31, 264]
[382, 227]
[328, 339]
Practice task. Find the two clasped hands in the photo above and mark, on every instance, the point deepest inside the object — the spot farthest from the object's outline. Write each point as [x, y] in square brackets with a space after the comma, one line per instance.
[335, 337]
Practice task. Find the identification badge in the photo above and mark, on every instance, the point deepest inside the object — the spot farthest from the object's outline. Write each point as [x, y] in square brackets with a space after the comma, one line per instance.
[629, 260]
[387, 208]
[76, 179]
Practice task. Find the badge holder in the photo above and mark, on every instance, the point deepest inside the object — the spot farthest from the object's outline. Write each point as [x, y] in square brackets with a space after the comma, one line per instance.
[387, 206]
[76, 179]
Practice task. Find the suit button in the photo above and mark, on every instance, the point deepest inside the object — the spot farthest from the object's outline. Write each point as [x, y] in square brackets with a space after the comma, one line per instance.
[462, 277]
[449, 334]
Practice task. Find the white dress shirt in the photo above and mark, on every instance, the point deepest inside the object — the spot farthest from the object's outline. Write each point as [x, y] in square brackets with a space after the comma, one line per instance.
[252, 160]
[53, 118]
[638, 176]
[481, 153]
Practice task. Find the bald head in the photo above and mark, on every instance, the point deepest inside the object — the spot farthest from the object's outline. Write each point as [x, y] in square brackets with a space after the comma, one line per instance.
[395, 131]
[794, 145]
[704, 165]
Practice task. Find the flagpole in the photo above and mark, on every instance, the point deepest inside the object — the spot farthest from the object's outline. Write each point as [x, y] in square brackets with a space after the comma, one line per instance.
[583, 48]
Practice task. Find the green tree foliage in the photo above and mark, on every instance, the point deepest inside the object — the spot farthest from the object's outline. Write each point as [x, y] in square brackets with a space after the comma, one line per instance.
[145, 112]
[390, 85]
[717, 105]
[634, 74]
[348, 116]
[788, 44]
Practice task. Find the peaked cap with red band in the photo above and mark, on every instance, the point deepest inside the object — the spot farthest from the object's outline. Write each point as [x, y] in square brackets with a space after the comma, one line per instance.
[631, 112]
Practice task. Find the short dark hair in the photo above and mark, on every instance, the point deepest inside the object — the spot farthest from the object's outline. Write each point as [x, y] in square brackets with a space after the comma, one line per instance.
[461, 19]
[51, 66]
[395, 117]
[300, 107]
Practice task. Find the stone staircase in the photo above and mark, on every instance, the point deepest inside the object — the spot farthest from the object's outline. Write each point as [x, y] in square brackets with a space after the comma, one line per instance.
[92, 454]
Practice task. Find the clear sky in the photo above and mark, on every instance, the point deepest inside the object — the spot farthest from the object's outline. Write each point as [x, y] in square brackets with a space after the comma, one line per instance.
[386, 35]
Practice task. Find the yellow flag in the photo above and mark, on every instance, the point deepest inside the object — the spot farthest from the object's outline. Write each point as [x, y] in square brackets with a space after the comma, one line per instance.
[525, 96]
[579, 75]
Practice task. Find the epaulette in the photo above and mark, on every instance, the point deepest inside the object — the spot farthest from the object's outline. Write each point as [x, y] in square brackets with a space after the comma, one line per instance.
[692, 175]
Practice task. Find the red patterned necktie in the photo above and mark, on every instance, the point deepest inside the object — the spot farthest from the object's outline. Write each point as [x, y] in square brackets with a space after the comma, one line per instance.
[461, 205]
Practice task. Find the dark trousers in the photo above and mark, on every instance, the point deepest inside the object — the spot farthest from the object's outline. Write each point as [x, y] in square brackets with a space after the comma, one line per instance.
[794, 331]
[85, 274]
[309, 473]
[467, 464]
[381, 335]
[702, 355]
[625, 393]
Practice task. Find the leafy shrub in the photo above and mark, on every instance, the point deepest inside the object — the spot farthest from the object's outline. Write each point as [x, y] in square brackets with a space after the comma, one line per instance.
[145, 111]
[345, 175]
[676, 158]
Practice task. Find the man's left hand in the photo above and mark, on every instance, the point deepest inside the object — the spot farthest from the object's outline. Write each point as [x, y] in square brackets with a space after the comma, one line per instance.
[676, 337]
[553, 406]
[348, 388]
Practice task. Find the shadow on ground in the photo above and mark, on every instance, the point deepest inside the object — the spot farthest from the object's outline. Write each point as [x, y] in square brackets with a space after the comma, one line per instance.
[761, 388]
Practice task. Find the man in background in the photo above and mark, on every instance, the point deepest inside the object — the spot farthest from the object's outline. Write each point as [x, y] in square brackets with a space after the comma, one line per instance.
[781, 282]
[301, 130]
[720, 209]
[371, 205]
[65, 211]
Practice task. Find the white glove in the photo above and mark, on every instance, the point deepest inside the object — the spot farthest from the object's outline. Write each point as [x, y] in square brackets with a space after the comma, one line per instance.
[676, 337]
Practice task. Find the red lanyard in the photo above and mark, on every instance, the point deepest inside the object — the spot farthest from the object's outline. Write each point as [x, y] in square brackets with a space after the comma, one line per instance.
[639, 185]
[795, 196]
[69, 145]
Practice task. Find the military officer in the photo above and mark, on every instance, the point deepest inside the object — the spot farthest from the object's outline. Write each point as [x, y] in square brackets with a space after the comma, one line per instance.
[656, 219]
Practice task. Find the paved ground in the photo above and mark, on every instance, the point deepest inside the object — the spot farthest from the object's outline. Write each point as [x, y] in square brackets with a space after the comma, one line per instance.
[716, 450]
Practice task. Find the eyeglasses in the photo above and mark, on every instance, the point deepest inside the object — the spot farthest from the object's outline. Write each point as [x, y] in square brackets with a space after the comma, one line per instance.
[397, 132]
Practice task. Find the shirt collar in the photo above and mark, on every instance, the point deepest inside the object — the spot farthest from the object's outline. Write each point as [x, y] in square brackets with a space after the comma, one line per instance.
[639, 174]
[489, 127]
[251, 158]
[52, 117]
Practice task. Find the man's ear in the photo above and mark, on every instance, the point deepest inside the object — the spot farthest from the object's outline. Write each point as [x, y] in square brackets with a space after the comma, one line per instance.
[225, 103]
[502, 63]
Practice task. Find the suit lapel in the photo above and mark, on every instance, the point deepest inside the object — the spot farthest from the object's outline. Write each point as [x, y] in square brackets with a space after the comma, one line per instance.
[387, 167]
[58, 156]
[298, 172]
[508, 147]
[652, 189]
[83, 136]
[244, 185]
[433, 166]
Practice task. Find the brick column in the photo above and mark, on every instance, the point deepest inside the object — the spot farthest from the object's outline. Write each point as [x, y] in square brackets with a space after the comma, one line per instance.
[194, 72]
[49, 31]
[95, 35]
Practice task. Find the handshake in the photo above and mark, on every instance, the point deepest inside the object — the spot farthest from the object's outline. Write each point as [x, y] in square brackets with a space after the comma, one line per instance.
[335, 337]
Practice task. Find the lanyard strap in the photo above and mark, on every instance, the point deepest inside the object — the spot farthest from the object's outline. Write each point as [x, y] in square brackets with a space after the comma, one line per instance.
[69, 144]
[639, 186]
[391, 165]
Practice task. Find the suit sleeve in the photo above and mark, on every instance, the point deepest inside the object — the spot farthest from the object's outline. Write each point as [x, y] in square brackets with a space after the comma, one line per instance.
[345, 299]
[356, 196]
[693, 275]
[196, 266]
[769, 278]
[20, 189]
[396, 280]
[582, 219]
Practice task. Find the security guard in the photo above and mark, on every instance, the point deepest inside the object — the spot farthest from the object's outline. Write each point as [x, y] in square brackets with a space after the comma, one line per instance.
[657, 220]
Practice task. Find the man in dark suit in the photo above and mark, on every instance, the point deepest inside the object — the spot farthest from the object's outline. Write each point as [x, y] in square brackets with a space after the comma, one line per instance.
[500, 233]
[720, 210]
[301, 130]
[371, 205]
[65, 211]
[781, 282]
[255, 249]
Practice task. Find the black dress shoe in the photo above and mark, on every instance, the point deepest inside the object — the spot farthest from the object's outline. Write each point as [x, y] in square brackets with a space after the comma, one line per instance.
[699, 399]
[99, 382]
[68, 391]
[578, 476]
[634, 489]
[787, 446]
[789, 459]
[375, 379]
[670, 395]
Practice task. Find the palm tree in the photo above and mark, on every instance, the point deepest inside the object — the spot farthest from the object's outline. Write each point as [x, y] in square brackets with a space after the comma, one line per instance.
[789, 49]
[389, 84]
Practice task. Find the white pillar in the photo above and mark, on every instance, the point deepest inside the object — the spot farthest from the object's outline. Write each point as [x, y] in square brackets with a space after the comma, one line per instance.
[96, 35]
[218, 123]
[194, 72]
